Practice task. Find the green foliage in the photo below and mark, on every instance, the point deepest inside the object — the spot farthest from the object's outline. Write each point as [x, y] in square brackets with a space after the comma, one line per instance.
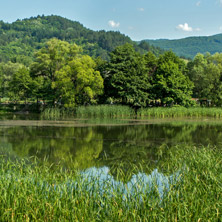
[67, 76]
[189, 47]
[20, 40]
[21, 84]
[206, 74]
[62, 74]
[78, 82]
[127, 77]
[7, 70]
[170, 85]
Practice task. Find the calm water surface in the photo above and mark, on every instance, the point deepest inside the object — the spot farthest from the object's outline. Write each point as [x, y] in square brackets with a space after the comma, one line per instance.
[83, 144]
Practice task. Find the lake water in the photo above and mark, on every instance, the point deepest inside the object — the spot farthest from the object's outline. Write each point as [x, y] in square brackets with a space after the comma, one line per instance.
[112, 143]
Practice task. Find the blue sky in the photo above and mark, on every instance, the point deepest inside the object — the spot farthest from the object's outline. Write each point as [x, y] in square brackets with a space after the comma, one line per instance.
[139, 19]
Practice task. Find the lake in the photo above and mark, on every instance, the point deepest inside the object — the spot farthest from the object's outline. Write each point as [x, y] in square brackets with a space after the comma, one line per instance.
[112, 143]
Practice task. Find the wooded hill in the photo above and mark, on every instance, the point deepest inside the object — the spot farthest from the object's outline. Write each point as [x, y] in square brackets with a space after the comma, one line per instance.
[20, 39]
[189, 47]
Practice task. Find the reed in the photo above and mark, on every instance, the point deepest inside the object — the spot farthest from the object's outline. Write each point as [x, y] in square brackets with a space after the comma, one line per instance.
[163, 112]
[56, 113]
[33, 192]
[104, 111]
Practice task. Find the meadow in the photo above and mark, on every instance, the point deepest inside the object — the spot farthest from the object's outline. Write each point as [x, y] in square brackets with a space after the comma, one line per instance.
[40, 192]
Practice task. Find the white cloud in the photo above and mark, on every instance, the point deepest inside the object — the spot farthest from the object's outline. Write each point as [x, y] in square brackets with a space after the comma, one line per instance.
[219, 2]
[198, 3]
[197, 29]
[184, 27]
[141, 9]
[113, 24]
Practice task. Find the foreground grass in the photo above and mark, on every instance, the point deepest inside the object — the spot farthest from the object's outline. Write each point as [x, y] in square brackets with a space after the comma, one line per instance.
[30, 192]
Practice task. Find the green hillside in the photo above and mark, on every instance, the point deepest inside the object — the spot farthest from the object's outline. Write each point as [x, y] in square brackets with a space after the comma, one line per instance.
[189, 47]
[20, 39]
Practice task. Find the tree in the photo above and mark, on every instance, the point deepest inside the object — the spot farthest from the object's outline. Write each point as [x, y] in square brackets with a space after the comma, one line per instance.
[21, 85]
[206, 73]
[78, 83]
[65, 74]
[127, 78]
[7, 70]
[170, 84]
[50, 59]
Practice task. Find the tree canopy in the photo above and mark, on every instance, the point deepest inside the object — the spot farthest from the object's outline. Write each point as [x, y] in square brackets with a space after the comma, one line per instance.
[61, 74]
[170, 84]
[127, 77]
[20, 39]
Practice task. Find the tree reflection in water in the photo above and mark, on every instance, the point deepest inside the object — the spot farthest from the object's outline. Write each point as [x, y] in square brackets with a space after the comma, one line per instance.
[122, 148]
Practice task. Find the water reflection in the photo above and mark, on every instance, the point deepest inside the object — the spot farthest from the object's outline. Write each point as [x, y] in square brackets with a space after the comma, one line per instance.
[113, 146]
[101, 180]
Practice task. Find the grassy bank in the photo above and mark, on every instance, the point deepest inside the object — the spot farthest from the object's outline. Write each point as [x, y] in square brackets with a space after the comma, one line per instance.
[107, 111]
[104, 111]
[30, 192]
[100, 111]
[162, 112]
[56, 113]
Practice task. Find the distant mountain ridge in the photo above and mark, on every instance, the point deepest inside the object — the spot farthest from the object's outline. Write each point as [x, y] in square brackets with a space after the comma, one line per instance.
[20, 39]
[190, 46]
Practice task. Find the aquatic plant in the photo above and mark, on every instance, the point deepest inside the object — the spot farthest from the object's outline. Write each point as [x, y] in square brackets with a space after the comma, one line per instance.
[56, 113]
[162, 112]
[104, 111]
[31, 192]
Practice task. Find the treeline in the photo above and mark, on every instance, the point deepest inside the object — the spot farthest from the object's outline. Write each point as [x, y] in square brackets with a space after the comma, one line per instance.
[190, 46]
[62, 74]
[19, 40]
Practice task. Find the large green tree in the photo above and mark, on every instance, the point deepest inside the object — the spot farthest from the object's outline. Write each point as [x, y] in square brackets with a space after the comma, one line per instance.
[206, 73]
[49, 60]
[126, 78]
[21, 84]
[170, 84]
[65, 74]
[78, 83]
[7, 70]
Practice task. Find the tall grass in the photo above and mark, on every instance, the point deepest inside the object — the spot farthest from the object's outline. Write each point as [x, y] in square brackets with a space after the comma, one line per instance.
[56, 113]
[162, 112]
[30, 192]
[107, 111]
[104, 111]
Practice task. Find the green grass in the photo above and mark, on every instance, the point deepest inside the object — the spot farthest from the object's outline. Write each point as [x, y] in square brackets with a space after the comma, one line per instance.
[55, 113]
[162, 112]
[107, 111]
[104, 111]
[99, 111]
[32, 192]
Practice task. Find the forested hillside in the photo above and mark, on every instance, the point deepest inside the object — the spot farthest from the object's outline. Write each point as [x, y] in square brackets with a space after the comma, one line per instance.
[19, 40]
[189, 47]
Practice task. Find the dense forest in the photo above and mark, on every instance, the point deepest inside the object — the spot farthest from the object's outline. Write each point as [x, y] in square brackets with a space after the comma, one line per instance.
[52, 60]
[19, 40]
[62, 74]
[189, 47]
